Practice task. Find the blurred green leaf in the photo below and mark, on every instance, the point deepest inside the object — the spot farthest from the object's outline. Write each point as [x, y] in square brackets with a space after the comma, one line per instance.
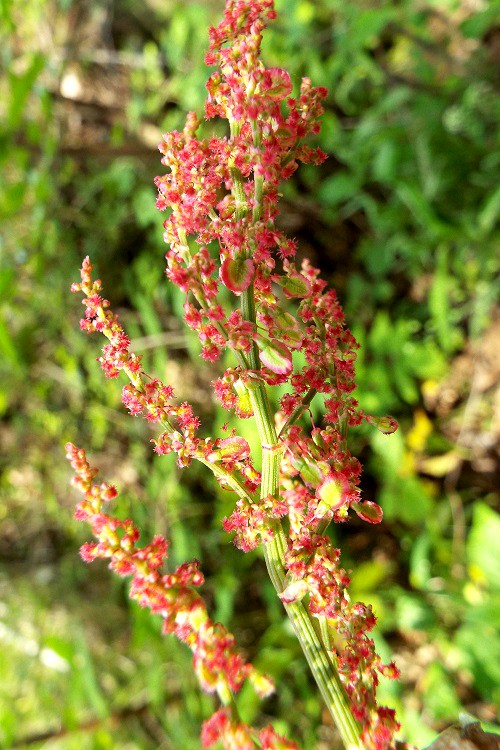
[490, 212]
[8, 726]
[483, 550]
[477, 24]
[439, 300]
[412, 613]
[439, 688]
[21, 86]
[368, 576]
[84, 684]
[338, 188]
[477, 639]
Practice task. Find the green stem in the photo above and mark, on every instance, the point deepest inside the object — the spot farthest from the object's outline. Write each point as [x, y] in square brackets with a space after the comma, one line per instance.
[319, 658]
[227, 478]
[306, 628]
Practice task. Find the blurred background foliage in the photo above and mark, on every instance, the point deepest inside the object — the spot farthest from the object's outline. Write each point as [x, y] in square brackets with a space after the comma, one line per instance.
[402, 219]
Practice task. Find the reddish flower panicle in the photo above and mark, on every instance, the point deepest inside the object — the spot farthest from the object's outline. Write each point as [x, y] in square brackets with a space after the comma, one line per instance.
[218, 665]
[221, 194]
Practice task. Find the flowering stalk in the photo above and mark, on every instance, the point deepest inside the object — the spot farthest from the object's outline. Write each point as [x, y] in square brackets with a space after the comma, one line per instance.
[288, 330]
[218, 666]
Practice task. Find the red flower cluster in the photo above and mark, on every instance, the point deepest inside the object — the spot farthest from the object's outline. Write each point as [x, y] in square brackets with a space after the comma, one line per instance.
[239, 736]
[219, 667]
[224, 190]
[99, 318]
[222, 195]
[314, 569]
[229, 458]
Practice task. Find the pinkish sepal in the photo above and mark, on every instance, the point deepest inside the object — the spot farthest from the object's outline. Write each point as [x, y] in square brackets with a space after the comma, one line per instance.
[237, 274]
[387, 425]
[275, 355]
[368, 511]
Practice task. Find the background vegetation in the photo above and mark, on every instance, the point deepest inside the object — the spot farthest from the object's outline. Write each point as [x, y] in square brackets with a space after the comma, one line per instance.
[403, 220]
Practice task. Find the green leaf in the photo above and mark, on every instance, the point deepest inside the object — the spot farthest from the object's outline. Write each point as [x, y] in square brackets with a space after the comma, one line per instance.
[8, 725]
[483, 548]
[20, 89]
[488, 215]
[421, 209]
[338, 188]
[441, 696]
[476, 639]
[412, 613]
[368, 576]
[477, 24]
[85, 677]
[368, 24]
[8, 349]
[439, 301]
[308, 470]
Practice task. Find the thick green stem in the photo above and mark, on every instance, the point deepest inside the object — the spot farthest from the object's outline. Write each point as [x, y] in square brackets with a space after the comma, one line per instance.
[319, 658]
